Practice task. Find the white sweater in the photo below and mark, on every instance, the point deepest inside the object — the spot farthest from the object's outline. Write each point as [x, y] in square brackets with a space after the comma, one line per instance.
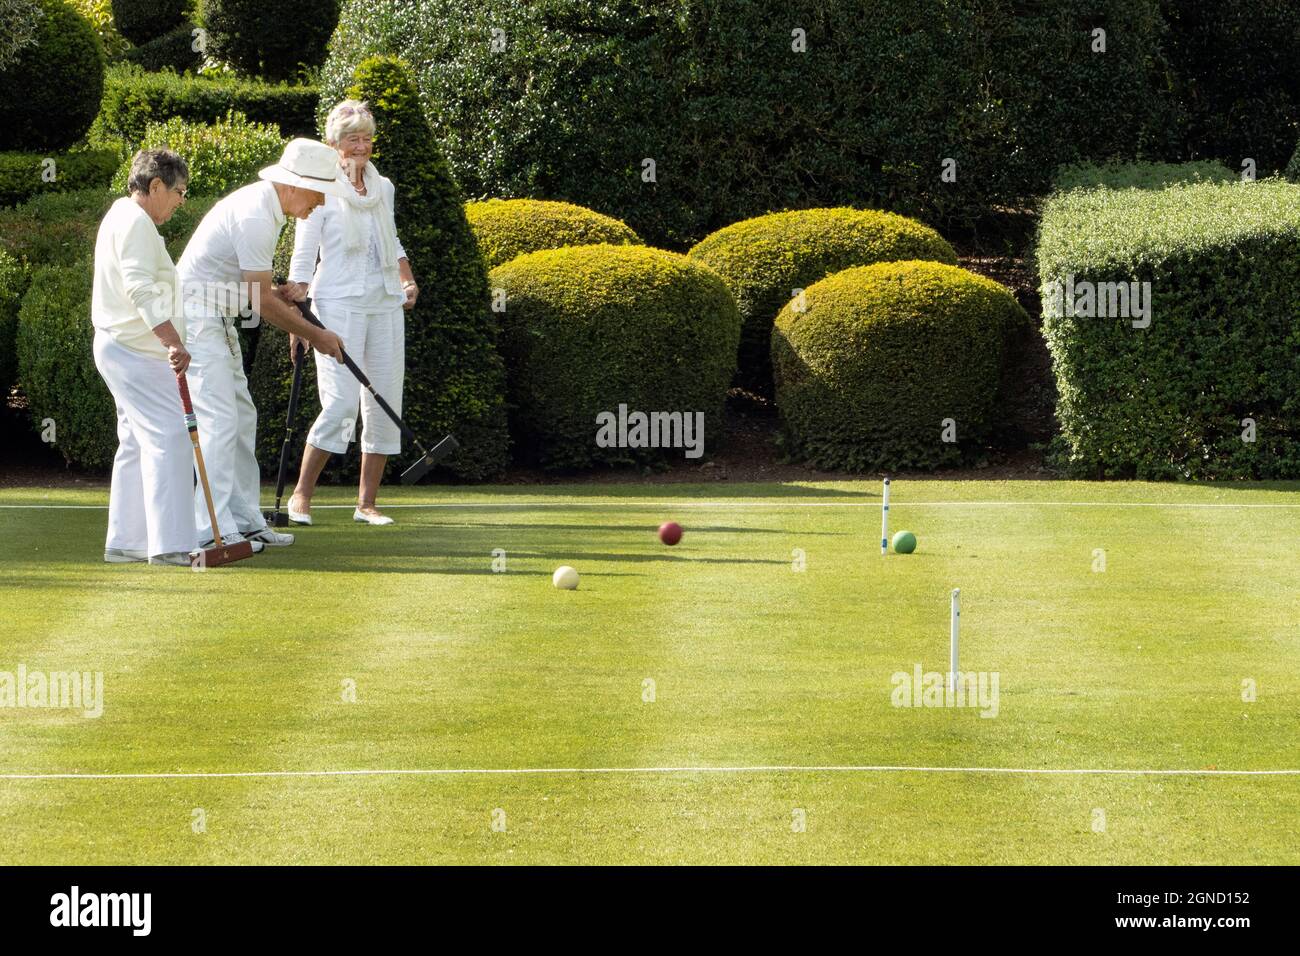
[135, 281]
[349, 277]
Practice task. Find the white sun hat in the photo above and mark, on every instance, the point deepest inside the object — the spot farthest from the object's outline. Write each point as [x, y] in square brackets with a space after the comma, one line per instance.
[308, 164]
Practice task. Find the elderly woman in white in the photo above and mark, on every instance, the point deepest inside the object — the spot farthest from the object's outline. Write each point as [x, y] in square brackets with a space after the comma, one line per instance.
[139, 349]
[359, 290]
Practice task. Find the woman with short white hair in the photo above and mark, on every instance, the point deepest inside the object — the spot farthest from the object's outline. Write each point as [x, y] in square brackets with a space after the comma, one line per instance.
[359, 290]
[139, 349]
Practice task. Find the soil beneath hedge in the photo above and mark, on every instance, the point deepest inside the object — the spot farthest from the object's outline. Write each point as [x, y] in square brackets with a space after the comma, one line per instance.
[747, 451]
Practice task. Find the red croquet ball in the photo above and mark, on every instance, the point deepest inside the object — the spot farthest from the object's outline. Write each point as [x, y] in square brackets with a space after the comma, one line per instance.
[670, 532]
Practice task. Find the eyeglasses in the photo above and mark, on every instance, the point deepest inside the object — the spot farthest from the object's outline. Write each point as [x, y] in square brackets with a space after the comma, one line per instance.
[182, 191]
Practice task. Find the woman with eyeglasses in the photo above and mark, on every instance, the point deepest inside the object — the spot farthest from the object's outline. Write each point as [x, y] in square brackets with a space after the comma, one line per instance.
[139, 349]
[360, 289]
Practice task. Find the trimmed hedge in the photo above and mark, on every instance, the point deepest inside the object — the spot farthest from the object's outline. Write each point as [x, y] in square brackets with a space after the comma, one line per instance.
[505, 228]
[270, 38]
[222, 156]
[52, 90]
[60, 229]
[589, 328]
[100, 15]
[1142, 175]
[134, 98]
[57, 366]
[143, 20]
[763, 260]
[739, 124]
[173, 50]
[13, 284]
[1223, 343]
[881, 356]
[454, 375]
[22, 174]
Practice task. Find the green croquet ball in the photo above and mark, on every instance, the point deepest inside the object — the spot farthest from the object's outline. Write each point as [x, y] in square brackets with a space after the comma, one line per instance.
[904, 542]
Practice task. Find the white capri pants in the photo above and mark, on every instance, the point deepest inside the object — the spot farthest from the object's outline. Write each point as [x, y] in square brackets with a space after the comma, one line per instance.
[376, 341]
[150, 504]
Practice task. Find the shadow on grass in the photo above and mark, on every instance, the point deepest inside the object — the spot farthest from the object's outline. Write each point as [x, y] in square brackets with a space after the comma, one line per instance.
[625, 528]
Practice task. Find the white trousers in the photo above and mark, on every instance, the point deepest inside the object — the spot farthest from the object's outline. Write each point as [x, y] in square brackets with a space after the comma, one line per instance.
[376, 341]
[149, 504]
[227, 425]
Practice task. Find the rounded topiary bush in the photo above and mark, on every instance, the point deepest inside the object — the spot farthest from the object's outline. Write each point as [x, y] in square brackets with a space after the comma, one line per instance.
[273, 39]
[589, 328]
[57, 368]
[222, 156]
[143, 20]
[763, 260]
[53, 88]
[505, 228]
[882, 355]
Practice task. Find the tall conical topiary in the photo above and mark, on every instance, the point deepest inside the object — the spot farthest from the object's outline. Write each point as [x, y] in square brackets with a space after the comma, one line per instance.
[455, 380]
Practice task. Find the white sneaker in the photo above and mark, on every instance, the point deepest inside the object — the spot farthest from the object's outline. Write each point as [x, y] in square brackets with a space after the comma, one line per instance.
[359, 515]
[180, 558]
[124, 556]
[232, 539]
[270, 538]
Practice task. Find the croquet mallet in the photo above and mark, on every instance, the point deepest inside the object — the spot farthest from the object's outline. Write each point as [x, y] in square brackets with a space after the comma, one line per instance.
[219, 553]
[278, 518]
[427, 458]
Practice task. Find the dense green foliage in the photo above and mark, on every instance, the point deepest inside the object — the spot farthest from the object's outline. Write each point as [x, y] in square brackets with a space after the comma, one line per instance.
[1171, 399]
[143, 20]
[25, 175]
[765, 259]
[174, 50]
[505, 228]
[134, 98]
[275, 39]
[894, 365]
[589, 328]
[1141, 175]
[19, 23]
[53, 87]
[13, 283]
[222, 156]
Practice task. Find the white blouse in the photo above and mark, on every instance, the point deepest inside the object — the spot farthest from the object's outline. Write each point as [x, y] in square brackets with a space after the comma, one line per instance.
[350, 278]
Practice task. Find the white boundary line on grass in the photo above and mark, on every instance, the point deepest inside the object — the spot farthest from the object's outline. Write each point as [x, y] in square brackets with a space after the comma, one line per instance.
[540, 771]
[676, 503]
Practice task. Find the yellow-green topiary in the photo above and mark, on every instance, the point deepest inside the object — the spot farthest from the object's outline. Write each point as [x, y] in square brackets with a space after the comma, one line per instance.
[506, 228]
[589, 328]
[763, 260]
[890, 361]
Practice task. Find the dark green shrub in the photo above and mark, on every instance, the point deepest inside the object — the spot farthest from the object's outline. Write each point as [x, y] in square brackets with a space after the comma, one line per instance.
[505, 228]
[134, 98]
[739, 124]
[1293, 167]
[100, 15]
[60, 228]
[1141, 175]
[454, 376]
[143, 20]
[19, 23]
[271, 38]
[1234, 72]
[222, 156]
[882, 356]
[22, 175]
[1170, 400]
[13, 283]
[763, 260]
[589, 328]
[57, 367]
[53, 88]
[173, 50]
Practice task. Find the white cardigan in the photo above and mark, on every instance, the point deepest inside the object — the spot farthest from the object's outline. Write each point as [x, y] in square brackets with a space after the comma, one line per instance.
[135, 283]
[342, 274]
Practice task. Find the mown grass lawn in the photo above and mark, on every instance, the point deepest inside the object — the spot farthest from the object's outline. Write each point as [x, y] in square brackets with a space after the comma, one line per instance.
[666, 665]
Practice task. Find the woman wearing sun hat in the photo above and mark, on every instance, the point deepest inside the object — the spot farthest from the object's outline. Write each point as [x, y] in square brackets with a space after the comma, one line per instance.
[359, 289]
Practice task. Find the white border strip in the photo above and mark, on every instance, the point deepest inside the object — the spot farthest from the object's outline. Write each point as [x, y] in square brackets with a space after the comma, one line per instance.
[556, 771]
[634, 504]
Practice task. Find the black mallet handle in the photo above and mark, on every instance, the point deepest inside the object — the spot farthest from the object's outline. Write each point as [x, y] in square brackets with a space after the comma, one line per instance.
[427, 459]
